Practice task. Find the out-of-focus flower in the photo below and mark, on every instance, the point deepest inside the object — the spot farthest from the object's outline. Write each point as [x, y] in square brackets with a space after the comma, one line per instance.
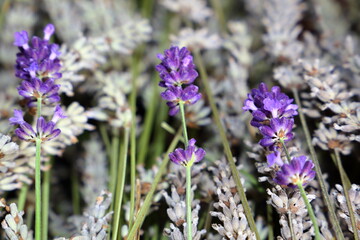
[176, 67]
[188, 156]
[195, 10]
[8, 151]
[196, 39]
[298, 171]
[280, 129]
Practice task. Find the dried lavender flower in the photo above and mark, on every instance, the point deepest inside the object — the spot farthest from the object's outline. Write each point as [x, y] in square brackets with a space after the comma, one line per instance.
[8, 151]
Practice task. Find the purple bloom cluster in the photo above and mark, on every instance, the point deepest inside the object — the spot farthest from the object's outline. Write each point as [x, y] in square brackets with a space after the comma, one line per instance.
[39, 66]
[273, 113]
[177, 69]
[188, 156]
[44, 131]
[298, 171]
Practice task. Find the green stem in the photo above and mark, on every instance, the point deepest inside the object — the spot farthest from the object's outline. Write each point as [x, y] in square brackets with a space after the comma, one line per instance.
[113, 162]
[333, 219]
[45, 202]
[219, 15]
[75, 191]
[120, 183]
[188, 203]
[226, 145]
[310, 211]
[183, 120]
[135, 75]
[38, 190]
[106, 140]
[22, 197]
[147, 202]
[291, 226]
[346, 192]
[346, 183]
[270, 222]
[286, 151]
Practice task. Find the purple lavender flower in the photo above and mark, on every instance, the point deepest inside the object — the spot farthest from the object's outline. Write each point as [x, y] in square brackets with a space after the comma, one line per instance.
[280, 129]
[38, 60]
[176, 67]
[274, 158]
[298, 171]
[175, 94]
[44, 130]
[36, 88]
[189, 156]
[265, 105]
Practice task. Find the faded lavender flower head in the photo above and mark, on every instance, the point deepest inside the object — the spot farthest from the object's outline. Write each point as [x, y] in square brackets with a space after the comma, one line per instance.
[188, 156]
[298, 171]
[177, 69]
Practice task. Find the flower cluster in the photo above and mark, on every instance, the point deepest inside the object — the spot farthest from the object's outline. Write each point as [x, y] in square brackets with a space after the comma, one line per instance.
[273, 114]
[177, 69]
[44, 131]
[188, 156]
[39, 66]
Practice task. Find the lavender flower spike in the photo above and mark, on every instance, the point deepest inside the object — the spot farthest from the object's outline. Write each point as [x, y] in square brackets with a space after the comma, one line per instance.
[298, 171]
[188, 156]
[176, 67]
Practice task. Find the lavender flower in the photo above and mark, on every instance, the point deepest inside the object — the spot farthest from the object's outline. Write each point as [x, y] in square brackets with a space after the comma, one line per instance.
[279, 130]
[298, 171]
[44, 130]
[38, 60]
[188, 156]
[265, 105]
[176, 67]
[176, 94]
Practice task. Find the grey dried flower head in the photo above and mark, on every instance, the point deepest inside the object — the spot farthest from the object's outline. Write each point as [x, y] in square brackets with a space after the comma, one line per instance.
[75, 123]
[283, 28]
[94, 170]
[197, 115]
[292, 209]
[8, 151]
[329, 138]
[196, 39]
[177, 214]
[342, 209]
[229, 208]
[14, 226]
[196, 11]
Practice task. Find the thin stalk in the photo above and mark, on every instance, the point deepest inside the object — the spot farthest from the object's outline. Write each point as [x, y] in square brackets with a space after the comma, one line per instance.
[310, 211]
[45, 202]
[183, 120]
[113, 162]
[158, 145]
[120, 183]
[286, 151]
[188, 203]
[270, 222]
[291, 226]
[333, 219]
[135, 75]
[147, 202]
[171, 130]
[226, 145]
[75, 190]
[106, 140]
[347, 182]
[148, 125]
[22, 197]
[346, 192]
[38, 190]
[219, 15]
